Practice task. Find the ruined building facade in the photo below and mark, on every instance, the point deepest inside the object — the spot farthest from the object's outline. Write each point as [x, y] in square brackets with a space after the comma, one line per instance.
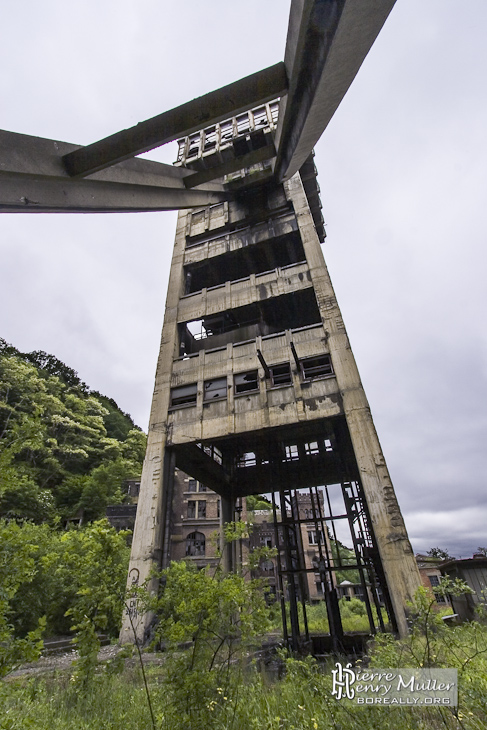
[257, 390]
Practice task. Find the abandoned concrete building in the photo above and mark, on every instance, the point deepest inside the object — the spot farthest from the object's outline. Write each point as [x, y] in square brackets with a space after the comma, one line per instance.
[257, 390]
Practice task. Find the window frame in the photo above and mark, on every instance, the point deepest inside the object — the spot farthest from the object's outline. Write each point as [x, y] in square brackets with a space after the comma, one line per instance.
[222, 386]
[178, 402]
[239, 383]
[281, 383]
[316, 370]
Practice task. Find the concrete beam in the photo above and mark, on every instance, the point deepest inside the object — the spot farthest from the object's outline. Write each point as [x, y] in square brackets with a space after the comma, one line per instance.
[226, 168]
[327, 43]
[237, 97]
[33, 180]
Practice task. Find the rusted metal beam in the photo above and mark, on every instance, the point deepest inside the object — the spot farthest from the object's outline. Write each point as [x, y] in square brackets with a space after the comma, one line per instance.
[327, 43]
[250, 91]
[33, 180]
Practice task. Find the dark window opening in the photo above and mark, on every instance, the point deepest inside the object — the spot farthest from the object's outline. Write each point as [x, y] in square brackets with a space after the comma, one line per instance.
[297, 309]
[184, 395]
[195, 544]
[212, 451]
[191, 513]
[245, 382]
[251, 259]
[247, 459]
[312, 367]
[215, 389]
[202, 488]
[192, 485]
[281, 374]
[202, 509]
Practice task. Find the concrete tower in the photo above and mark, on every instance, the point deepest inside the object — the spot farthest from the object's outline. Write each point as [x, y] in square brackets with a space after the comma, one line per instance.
[257, 390]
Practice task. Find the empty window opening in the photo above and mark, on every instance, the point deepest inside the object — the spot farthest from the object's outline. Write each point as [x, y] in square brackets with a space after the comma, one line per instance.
[267, 566]
[184, 395]
[195, 544]
[212, 451]
[216, 388]
[292, 453]
[312, 367]
[245, 382]
[192, 485]
[274, 253]
[281, 374]
[297, 309]
[247, 459]
[311, 448]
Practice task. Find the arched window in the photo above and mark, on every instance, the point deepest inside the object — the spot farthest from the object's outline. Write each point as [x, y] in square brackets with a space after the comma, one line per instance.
[195, 544]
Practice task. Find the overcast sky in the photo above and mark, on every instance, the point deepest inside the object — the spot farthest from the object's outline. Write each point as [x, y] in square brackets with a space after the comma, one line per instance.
[402, 170]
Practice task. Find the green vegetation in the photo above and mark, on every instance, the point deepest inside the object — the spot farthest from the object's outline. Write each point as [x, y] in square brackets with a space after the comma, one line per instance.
[217, 683]
[54, 581]
[63, 448]
[64, 452]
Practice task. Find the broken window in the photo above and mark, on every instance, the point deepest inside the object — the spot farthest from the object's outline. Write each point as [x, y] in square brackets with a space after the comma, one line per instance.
[312, 367]
[245, 382]
[202, 487]
[184, 395]
[210, 138]
[260, 117]
[195, 544]
[192, 484]
[281, 374]
[202, 509]
[191, 514]
[216, 388]
[194, 145]
[243, 123]
[267, 566]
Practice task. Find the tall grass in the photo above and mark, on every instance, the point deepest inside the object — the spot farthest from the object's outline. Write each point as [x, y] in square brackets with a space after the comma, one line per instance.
[301, 700]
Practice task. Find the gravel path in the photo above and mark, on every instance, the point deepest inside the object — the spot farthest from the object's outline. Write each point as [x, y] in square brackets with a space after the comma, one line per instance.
[64, 660]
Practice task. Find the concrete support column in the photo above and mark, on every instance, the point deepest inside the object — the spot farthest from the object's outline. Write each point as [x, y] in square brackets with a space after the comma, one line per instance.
[227, 514]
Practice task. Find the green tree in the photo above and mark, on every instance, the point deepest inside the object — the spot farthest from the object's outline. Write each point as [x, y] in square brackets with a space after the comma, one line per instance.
[439, 553]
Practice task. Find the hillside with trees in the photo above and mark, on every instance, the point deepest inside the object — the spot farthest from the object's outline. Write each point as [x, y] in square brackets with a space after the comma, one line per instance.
[63, 447]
